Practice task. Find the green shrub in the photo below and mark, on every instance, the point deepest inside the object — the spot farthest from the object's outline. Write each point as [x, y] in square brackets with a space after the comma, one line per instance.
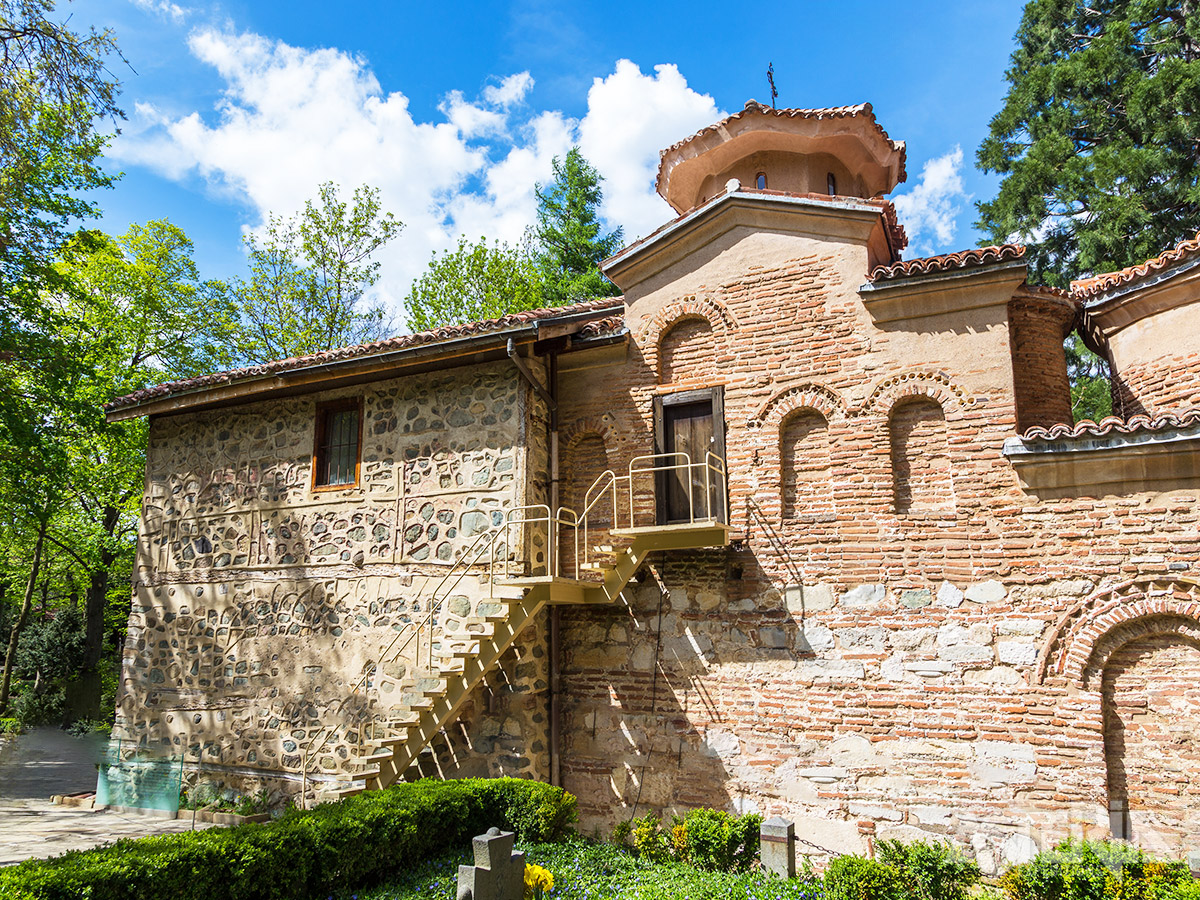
[932, 871]
[715, 840]
[855, 878]
[649, 842]
[10, 726]
[1094, 870]
[356, 842]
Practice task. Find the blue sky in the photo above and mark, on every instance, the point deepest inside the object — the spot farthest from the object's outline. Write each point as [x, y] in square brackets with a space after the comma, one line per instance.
[454, 110]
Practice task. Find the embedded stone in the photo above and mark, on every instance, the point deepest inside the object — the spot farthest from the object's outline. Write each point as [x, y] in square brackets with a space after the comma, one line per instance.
[916, 598]
[950, 596]
[986, 592]
[1017, 653]
[864, 595]
[801, 598]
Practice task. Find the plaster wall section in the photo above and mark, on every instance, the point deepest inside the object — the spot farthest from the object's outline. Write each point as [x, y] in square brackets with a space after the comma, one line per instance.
[272, 625]
[857, 661]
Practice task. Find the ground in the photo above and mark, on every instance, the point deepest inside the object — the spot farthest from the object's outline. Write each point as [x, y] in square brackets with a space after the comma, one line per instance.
[47, 761]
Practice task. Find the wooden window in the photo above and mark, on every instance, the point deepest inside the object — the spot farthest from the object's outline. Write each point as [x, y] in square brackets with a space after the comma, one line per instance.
[760, 181]
[831, 184]
[336, 449]
[691, 422]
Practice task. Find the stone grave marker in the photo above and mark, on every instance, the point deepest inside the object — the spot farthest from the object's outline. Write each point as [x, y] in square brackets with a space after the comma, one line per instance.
[498, 873]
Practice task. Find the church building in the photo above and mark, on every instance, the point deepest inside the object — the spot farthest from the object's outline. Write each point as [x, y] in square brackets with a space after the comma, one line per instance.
[794, 526]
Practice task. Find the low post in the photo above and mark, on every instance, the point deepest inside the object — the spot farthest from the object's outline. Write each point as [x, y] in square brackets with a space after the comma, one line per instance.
[498, 873]
[777, 846]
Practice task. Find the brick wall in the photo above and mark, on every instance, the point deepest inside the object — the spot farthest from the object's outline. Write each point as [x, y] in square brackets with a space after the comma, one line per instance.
[1167, 385]
[862, 663]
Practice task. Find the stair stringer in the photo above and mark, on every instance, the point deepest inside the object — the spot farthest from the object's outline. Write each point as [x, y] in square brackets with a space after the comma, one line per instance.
[460, 682]
[458, 687]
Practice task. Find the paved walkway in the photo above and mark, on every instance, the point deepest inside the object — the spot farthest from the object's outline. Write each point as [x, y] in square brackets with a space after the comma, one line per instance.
[48, 761]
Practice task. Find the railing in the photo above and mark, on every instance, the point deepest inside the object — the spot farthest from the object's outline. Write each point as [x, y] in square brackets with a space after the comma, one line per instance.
[492, 556]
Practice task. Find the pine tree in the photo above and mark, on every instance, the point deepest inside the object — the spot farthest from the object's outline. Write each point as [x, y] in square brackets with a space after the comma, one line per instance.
[1098, 143]
[568, 232]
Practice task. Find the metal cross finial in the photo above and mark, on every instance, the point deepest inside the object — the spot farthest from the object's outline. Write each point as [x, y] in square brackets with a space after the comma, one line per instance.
[771, 81]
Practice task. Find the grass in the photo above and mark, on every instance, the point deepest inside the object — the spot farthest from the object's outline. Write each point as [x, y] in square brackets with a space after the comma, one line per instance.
[589, 871]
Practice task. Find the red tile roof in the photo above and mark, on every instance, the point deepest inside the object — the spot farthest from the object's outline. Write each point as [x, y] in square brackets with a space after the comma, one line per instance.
[1086, 288]
[947, 262]
[833, 112]
[402, 342]
[1086, 428]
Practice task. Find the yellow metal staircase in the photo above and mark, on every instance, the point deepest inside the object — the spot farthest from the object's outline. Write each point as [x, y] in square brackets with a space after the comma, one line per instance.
[450, 665]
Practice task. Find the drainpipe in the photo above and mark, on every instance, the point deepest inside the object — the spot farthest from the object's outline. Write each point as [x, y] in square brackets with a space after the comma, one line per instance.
[555, 692]
[550, 397]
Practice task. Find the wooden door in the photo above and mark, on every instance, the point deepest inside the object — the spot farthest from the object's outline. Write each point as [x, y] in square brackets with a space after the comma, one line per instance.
[688, 428]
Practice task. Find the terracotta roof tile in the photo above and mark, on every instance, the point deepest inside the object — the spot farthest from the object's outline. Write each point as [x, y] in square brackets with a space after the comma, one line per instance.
[1086, 288]
[433, 336]
[753, 106]
[948, 262]
[1086, 428]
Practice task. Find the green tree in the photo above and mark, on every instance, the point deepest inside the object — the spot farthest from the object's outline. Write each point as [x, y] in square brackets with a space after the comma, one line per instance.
[138, 314]
[54, 85]
[475, 281]
[1097, 144]
[570, 243]
[309, 276]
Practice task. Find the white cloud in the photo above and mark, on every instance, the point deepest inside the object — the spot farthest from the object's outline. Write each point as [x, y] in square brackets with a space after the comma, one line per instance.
[510, 90]
[929, 211]
[291, 118]
[630, 118]
[163, 7]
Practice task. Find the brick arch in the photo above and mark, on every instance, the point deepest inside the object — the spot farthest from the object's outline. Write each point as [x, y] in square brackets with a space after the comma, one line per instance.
[817, 397]
[719, 319]
[606, 426]
[935, 386]
[1088, 633]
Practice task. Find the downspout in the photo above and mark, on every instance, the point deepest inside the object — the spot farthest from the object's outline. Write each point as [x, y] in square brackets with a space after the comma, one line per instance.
[550, 397]
[555, 692]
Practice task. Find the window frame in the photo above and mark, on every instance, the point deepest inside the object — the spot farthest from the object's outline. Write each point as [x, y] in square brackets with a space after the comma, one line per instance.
[714, 395]
[322, 415]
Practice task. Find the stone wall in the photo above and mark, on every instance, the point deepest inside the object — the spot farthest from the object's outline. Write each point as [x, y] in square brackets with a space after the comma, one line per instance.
[261, 605]
[857, 656]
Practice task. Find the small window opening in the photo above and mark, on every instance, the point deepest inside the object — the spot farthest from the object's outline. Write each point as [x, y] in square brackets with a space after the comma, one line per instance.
[760, 181]
[335, 458]
[831, 184]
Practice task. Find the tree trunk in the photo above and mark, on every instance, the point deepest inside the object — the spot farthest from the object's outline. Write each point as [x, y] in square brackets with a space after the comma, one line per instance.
[97, 593]
[11, 656]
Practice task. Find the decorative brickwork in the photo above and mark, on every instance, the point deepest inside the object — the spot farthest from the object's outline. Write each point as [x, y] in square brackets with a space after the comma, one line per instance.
[686, 351]
[805, 467]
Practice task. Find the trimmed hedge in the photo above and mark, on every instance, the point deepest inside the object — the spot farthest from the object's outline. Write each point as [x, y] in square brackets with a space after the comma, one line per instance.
[351, 844]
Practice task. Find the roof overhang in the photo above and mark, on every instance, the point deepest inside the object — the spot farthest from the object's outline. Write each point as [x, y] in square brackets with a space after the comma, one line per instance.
[943, 293]
[1111, 311]
[1161, 459]
[362, 368]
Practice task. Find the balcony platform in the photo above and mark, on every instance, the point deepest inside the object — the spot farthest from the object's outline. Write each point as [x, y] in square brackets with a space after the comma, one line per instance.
[679, 536]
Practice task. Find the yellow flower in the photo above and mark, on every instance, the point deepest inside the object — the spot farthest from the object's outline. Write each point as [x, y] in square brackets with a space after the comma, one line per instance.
[537, 882]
